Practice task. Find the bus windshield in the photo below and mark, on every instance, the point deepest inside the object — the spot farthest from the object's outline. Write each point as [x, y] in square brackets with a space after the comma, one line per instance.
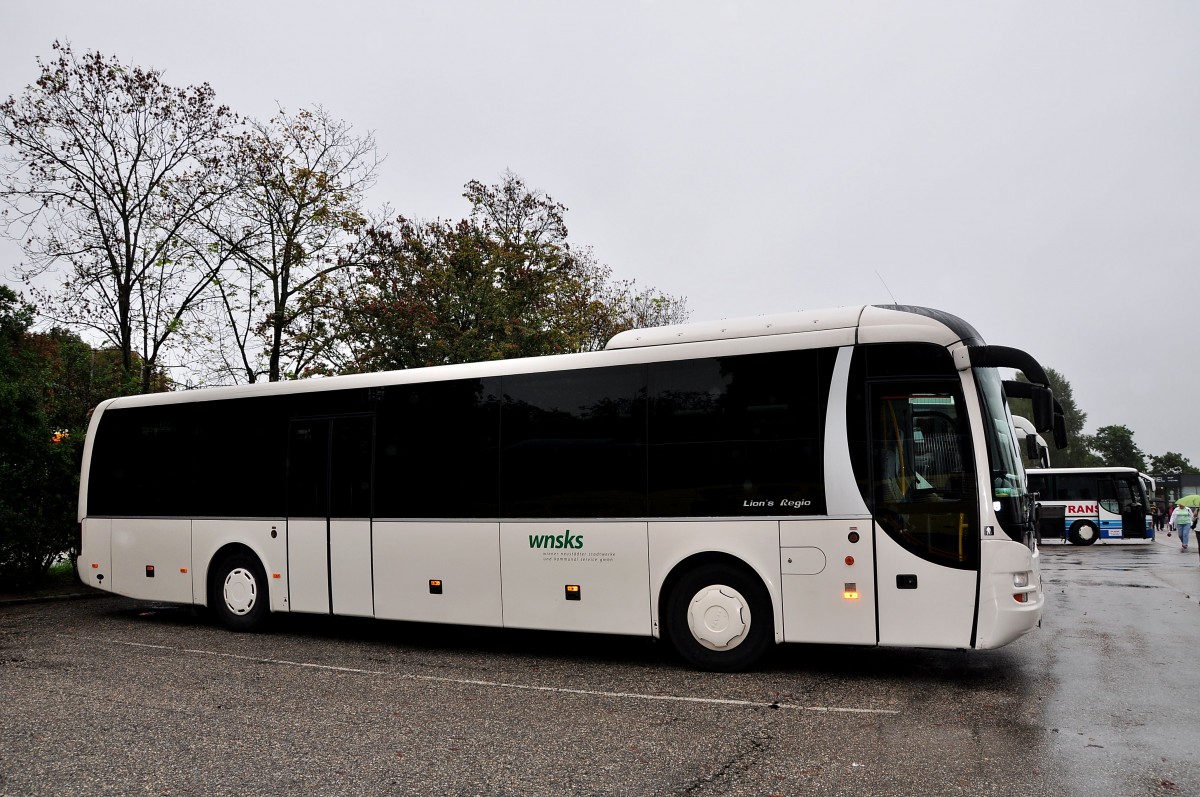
[1010, 493]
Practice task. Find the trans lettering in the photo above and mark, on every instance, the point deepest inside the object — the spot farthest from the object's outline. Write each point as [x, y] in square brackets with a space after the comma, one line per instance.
[566, 540]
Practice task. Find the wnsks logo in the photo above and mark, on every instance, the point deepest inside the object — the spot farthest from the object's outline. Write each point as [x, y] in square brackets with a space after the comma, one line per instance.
[556, 541]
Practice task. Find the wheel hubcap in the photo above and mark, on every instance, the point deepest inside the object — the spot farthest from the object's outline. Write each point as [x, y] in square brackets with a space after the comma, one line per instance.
[241, 591]
[719, 617]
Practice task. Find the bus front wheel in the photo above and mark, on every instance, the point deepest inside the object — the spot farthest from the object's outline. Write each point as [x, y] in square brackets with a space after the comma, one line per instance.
[1083, 532]
[719, 618]
[238, 593]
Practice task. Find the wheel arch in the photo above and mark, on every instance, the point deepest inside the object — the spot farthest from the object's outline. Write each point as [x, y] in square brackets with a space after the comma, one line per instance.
[223, 553]
[696, 560]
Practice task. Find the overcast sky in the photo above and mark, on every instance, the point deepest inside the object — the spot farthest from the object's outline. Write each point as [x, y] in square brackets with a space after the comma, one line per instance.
[1033, 167]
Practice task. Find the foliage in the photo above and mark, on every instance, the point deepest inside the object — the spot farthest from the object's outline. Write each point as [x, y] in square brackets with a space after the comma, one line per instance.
[1171, 462]
[1115, 447]
[38, 476]
[1077, 453]
[504, 282]
[106, 172]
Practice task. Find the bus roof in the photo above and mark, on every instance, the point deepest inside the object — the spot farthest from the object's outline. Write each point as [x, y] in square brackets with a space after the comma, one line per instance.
[845, 326]
[873, 323]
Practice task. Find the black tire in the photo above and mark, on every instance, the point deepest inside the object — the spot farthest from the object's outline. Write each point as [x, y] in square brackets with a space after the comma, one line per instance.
[737, 606]
[238, 593]
[1083, 532]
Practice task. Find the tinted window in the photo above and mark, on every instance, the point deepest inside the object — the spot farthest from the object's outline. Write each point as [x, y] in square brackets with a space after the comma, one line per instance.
[573, 444]
[238, 452]
[1075, 487]
[308, 469]
[202, 459]
[329, 467]
[1039, 484]
[437, 452]
[139, 465]
[737, 435]
[350, 467]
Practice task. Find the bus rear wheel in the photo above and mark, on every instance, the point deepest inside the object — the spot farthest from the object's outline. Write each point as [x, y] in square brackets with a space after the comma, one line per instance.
[1083, 532]
[238, 593]
[719, 618]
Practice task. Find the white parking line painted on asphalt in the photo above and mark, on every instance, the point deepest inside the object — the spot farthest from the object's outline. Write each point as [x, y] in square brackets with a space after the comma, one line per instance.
[500, 684]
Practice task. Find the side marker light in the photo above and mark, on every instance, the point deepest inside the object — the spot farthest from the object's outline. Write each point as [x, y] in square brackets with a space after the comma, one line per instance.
[850, 593]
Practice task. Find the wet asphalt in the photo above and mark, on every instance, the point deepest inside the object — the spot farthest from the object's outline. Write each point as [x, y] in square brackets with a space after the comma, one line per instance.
[112, 696]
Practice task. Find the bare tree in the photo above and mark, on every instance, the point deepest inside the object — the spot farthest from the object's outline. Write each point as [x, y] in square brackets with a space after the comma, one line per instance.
[302, 178]
[105, 173]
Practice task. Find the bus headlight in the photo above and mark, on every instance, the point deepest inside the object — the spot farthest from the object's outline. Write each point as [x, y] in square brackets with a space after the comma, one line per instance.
[1021, 580]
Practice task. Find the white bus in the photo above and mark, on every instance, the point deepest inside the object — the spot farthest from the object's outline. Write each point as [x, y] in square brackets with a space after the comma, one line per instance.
[1086, 505]
[847, 477]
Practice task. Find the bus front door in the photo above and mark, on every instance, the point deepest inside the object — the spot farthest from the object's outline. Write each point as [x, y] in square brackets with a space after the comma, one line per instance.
[329, 515]
[926, 514]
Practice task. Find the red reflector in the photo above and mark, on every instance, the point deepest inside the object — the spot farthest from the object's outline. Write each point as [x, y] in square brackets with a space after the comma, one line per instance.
[849, 560]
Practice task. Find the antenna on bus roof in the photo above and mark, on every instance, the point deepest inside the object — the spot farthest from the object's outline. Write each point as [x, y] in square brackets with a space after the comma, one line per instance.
[885, 287]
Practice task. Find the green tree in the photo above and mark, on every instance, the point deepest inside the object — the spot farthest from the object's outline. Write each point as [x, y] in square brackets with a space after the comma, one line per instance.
[1115, 447]
[1171, 462]
[1077, 453]
[504, 282]
[76, 377]
[106, 171]
[39, 475]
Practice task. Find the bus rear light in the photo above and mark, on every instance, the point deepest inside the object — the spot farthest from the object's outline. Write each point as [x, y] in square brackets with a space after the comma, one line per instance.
[1021, 597]
[849, 560]
[277, 575]
[183, 570]
[95, 565]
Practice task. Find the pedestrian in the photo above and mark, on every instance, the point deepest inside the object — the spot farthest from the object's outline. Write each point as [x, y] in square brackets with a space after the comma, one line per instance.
[1181, 519]
[1154, 516]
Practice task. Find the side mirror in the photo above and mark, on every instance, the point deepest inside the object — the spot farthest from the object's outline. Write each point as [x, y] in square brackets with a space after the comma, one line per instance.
[1060, 430]
[1032, 449]
[1043, 408]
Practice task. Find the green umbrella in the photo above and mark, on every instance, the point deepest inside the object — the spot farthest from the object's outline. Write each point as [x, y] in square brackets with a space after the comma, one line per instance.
[1189, 500]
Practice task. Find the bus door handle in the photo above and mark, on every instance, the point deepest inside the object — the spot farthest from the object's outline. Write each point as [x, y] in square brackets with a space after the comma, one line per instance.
[906, 581]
